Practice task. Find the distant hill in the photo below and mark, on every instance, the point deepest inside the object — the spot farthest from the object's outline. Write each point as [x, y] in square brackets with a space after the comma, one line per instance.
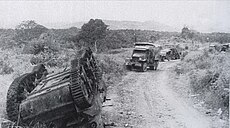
[115, 25]
[147, 25]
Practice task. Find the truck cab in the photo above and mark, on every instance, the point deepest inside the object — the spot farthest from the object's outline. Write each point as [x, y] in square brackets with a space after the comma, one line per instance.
[143, 57]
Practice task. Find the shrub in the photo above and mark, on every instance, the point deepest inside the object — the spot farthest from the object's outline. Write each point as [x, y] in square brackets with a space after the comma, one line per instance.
[199, 80]
[111, 69]
[209, 75]
[55, 59]
[5, 68]
[108, 66]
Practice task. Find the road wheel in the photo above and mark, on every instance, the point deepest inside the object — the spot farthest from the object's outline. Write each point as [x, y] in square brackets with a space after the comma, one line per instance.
[156, 64]
[17, 92]
[144, 67]
[128, 67]
[151, 67]
[81, 94]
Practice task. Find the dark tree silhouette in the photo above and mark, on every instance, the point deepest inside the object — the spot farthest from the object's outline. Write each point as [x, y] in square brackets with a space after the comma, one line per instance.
[93, 31]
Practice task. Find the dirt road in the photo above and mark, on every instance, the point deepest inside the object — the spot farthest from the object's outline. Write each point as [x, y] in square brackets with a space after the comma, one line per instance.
[151, 100]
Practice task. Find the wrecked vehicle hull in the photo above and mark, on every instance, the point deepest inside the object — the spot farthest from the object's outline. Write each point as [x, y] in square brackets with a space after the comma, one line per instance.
[68, 99]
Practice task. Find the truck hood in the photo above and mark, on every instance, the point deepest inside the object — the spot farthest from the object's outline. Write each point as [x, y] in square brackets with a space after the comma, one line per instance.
[138, 56]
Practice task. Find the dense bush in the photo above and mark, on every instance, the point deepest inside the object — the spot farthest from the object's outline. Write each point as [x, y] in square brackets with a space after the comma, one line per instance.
[58, 59]
[108, 66]
[28, 30]
[6, 39]
[111, 68]
[45, 43]
[5, 68]
[209, 75]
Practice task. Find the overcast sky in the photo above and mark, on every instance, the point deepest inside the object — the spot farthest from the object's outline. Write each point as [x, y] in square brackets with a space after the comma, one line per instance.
[195, 14]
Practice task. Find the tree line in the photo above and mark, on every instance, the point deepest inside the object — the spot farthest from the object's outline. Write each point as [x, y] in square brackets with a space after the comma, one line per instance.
[36, 38]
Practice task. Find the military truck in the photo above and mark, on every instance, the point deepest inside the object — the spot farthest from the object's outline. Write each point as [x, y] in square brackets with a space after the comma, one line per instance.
[69, 99]
[144, 56]
[174, 54]
[165, 54]
[225, 47]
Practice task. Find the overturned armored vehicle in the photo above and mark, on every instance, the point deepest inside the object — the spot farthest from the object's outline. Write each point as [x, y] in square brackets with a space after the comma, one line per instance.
[68, 99]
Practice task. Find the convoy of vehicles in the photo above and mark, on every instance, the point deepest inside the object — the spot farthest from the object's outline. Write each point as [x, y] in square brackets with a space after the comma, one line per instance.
[148, 55]
[219, 47]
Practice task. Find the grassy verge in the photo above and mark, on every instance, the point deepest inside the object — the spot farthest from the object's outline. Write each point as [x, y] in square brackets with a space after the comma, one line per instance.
[209, 78]
[111, 64]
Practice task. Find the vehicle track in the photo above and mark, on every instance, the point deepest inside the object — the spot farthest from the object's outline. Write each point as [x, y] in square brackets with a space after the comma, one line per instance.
[158, 104]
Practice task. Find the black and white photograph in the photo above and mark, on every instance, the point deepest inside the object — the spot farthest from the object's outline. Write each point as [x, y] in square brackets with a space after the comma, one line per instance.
[114, 63]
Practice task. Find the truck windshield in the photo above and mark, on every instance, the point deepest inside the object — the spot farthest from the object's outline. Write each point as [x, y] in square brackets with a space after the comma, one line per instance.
[139, 53]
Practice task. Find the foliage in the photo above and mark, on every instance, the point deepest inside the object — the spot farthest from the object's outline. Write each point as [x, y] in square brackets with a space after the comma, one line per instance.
[186, 33]
[28, 30]
[125, 38]
[12, 61]
[59, 59]
[93, 31]
[209, 75]
[111, 68]
[108, 66]
[113, 40]
[5, 68]
[45, 43]
[6, 39]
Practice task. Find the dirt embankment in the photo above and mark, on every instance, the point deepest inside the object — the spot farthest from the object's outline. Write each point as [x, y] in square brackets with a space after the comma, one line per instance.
[155, 99]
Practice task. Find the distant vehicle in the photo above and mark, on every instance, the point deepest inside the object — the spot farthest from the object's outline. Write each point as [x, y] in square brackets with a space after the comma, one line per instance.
[225, 47]
[174, 54]
[144, 55]
[215, 47]
[165, 54]
[169, 54]
[212, 47]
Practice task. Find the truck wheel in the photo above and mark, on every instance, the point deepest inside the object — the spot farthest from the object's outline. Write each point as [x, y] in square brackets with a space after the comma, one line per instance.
[82, 96]
[156, 65]
[17, 92]
[144, 67]
[151, 67]
[128, 67]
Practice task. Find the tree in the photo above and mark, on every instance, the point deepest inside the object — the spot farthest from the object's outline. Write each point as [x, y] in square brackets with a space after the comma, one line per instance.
[185, 32]
[154, 38]
[28, 30]
[45, 43]
[93, 31]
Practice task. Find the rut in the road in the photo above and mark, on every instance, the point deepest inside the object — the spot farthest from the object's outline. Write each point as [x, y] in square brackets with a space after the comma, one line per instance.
[160, 105]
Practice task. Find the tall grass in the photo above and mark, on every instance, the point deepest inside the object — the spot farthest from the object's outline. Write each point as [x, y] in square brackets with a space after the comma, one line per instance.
[209, 75]
[111, 68]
